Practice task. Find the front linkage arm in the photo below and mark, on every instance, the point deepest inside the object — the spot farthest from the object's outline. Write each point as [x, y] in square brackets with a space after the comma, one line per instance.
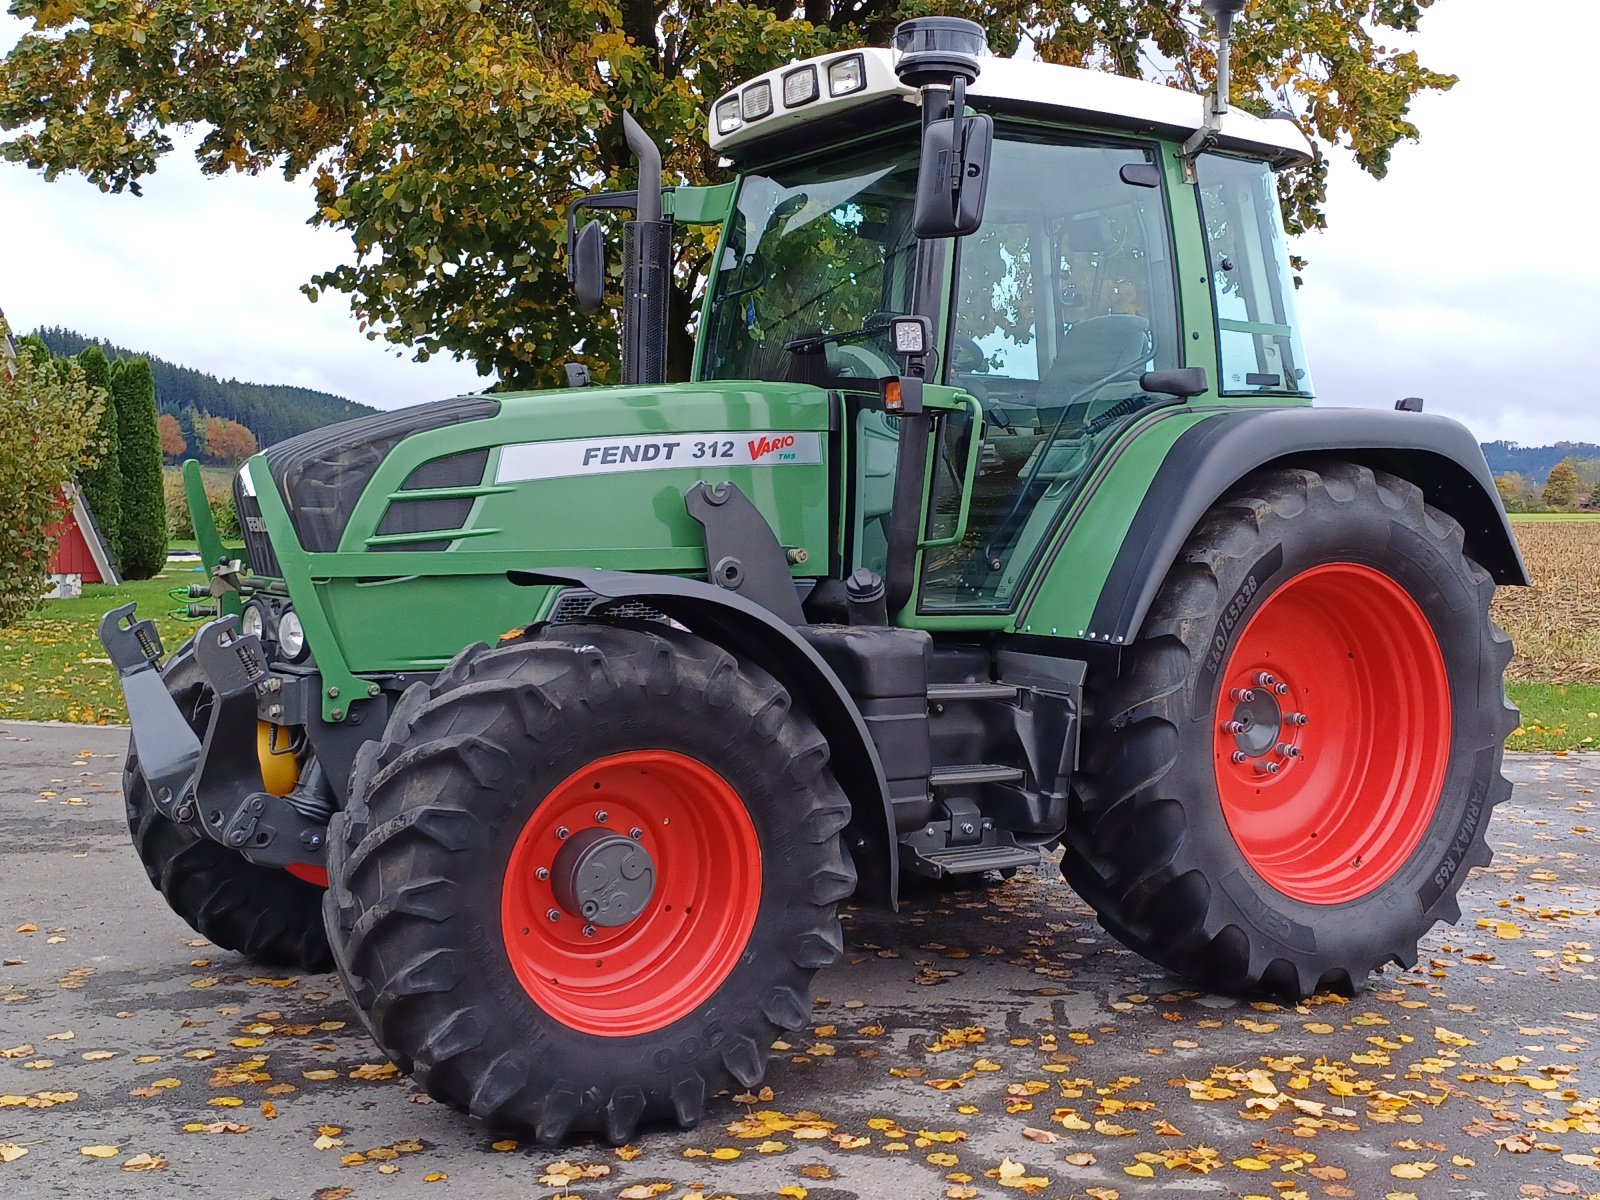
[214, 783]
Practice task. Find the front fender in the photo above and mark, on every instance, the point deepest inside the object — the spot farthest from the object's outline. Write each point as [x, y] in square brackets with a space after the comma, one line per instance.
[751, 631]
[1437, 454]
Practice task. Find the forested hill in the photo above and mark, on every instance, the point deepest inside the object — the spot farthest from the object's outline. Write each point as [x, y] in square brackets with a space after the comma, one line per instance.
[1534, 462]
[270, 411]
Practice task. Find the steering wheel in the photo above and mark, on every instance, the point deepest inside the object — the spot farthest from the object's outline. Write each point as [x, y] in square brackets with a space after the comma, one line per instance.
[966, 356]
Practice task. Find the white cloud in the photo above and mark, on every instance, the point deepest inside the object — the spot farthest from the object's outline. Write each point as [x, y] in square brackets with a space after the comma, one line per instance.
[1471, 276]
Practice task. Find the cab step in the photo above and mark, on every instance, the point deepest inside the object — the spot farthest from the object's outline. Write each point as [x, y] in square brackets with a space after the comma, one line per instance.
[974, 860]
[938, 693]
[974, 773]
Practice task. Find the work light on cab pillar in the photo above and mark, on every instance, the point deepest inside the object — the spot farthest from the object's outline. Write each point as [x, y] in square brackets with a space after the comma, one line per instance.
[995, 527]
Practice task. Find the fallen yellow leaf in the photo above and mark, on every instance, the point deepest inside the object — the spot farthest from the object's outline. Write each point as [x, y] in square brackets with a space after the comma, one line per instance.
[99, 1151]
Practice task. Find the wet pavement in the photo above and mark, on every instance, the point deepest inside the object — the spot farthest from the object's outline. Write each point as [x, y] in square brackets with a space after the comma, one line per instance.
[984, 1042]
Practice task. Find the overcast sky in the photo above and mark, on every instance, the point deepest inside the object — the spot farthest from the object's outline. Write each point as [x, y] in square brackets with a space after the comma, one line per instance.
[1470, 276]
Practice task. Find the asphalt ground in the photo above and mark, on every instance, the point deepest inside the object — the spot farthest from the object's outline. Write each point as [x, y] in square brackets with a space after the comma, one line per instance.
[984, 1042]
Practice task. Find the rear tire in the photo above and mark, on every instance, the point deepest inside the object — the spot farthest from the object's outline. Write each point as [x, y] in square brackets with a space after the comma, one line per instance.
[500, 769]
[266, 914]
[1221, 836]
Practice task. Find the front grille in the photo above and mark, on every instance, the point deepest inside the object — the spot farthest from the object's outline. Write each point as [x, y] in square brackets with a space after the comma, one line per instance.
[257, 546]
[577, 604]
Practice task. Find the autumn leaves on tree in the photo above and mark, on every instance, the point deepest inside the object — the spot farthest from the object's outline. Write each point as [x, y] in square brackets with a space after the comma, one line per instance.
[447, 139]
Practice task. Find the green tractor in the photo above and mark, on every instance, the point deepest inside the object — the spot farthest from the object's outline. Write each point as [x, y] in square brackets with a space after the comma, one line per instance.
[994, 519]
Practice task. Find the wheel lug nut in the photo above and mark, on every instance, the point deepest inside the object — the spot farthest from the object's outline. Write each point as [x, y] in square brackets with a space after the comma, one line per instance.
[1242, 695]
[602, 816]
[1298, 718]
[553, 914]
[1239, 756]
[636, 833]
[1233, 727]
[1281, 689]
[588, 931]
[1267, 768]
[1288, 751]
[1265, 680]
[542, 874]
[563, 833]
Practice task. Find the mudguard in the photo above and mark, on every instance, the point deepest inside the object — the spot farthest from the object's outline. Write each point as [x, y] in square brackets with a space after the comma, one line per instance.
[751, 631]
[1437, 454]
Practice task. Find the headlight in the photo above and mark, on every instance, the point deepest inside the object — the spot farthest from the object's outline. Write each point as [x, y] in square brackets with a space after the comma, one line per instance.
[846, 75]
[291, 636]
[254, 621]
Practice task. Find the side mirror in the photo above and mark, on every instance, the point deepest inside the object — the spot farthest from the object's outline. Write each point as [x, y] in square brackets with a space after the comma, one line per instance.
[954, 179]
[589, 267]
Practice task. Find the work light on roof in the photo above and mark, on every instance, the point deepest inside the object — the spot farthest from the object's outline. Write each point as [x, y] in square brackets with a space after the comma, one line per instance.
[846, 75]
[728, 118]
[934, 51]
[800, 87]
[755, 101]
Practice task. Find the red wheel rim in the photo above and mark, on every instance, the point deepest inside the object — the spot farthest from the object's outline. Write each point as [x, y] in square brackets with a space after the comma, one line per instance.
[631, 978]
[1333, 733]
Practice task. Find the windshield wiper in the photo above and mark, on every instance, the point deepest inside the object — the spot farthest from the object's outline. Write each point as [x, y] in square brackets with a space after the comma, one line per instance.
[877, 324]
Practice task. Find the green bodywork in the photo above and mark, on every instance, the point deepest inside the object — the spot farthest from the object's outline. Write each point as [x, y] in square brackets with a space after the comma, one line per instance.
[374, 606]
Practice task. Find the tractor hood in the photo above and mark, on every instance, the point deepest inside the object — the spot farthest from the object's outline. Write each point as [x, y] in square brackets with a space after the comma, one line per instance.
[466, 489]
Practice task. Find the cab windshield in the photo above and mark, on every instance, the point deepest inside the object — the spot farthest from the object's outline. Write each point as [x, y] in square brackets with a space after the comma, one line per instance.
[817, 258]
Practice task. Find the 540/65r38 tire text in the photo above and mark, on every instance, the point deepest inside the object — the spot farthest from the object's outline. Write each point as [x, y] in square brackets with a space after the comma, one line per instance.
[1288, 779]
[587, 876]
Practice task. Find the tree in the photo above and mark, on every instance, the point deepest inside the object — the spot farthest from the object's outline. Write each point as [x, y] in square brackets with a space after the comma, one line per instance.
[228, 441]
[48, 417]
[447, 139]
[170, 431]
[102, 483]
[1513, 491]
[144, 521]
[1561, 489]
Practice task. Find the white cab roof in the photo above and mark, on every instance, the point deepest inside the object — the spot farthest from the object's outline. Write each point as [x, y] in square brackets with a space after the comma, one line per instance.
[1074, 94]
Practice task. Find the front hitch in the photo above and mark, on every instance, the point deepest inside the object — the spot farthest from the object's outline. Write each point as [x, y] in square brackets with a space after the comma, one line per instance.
[217, 780]
[167, 747]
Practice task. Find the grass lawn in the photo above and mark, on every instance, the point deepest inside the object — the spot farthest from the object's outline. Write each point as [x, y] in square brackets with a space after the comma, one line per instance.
[52, 666]
[1583, 516]
[1556, 716]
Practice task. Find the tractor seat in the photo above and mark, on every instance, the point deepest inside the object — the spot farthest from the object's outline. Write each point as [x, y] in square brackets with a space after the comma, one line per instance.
[1094, 353]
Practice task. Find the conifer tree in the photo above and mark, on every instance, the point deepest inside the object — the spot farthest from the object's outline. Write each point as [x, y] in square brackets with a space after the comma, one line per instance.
[102, 483]
[144, 521]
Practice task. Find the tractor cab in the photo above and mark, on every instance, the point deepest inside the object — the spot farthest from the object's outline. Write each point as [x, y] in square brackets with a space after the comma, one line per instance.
[1081, 301]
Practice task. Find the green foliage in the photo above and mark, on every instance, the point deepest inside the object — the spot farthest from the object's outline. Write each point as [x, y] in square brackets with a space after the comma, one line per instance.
[447, 139]
[271, 412]
[48, 417]
[102, 483]
[144, 525]
[1517, 493]
[1561, 489]
[219, 495]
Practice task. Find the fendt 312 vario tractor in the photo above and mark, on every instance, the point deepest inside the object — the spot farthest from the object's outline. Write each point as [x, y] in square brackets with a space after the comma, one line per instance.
[995, 518]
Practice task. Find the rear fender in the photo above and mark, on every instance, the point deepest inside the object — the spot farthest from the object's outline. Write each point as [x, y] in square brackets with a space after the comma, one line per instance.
[1437, 454]
[751, 631]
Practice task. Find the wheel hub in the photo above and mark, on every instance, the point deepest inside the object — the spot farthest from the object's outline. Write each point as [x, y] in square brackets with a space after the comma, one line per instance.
[603, 877]
[1265, 728]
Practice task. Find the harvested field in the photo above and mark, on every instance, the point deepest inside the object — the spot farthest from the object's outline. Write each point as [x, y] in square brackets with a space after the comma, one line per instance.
[1556, 622]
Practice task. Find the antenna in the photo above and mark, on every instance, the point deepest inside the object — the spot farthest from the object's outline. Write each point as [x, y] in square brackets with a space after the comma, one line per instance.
[1223, 11]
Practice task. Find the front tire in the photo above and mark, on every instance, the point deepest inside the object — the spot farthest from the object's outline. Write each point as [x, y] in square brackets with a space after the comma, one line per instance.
[586, 878]
[1289, 777]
